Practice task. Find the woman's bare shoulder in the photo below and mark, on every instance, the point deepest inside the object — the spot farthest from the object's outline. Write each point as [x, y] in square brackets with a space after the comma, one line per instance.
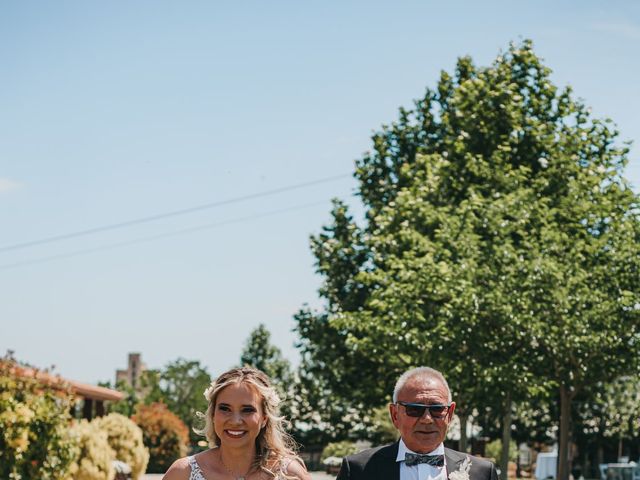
[296, 469]
[179, 470]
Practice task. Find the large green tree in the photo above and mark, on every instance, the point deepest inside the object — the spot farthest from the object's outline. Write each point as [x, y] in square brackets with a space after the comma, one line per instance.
[500, 244]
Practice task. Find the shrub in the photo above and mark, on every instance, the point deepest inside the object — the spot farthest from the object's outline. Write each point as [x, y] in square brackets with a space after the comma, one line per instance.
[164, 434]
[96, 456]
[382, 428]
[493, 450]
[34, 420]
[338, 449]
[125, 438]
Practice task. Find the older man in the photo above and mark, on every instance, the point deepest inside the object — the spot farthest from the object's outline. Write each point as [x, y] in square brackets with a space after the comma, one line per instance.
[421, 411]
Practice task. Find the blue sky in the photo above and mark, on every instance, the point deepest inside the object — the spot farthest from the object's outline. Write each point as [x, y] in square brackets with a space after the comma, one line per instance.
[113, 111]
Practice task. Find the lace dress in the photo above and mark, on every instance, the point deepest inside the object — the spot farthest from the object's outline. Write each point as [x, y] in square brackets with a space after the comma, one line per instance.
[196, 473]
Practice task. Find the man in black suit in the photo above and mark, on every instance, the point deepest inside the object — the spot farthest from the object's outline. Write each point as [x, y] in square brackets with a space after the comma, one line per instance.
[421, 411]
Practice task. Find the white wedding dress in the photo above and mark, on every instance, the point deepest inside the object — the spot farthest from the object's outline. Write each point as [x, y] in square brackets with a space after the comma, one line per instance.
[196, 473]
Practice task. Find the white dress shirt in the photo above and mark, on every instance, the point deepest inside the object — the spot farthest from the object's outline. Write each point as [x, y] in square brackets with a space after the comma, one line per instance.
[422, 471]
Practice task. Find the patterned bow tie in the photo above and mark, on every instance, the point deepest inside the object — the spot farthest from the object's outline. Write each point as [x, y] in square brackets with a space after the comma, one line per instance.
[411, 459]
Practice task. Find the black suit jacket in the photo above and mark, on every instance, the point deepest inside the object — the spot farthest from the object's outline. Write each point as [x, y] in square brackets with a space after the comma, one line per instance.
[380, 464]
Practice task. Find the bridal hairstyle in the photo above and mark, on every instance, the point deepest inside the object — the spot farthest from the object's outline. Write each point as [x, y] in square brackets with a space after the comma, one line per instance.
[274, 446]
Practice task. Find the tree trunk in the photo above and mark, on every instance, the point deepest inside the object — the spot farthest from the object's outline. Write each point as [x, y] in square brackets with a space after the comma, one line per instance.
[506, 438]
[600, 447]
[600, 454]
[619, 447]
[463, 417]
[586, 466]
[565, 424]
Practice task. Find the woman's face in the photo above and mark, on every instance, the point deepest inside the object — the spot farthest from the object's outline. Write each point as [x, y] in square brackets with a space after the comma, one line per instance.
[238, 416]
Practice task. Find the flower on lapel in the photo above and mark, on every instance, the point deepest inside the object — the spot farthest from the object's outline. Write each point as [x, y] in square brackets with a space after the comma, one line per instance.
[463, 472]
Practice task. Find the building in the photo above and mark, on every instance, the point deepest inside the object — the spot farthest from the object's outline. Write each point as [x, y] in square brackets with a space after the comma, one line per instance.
[90, 399]
[131, 376]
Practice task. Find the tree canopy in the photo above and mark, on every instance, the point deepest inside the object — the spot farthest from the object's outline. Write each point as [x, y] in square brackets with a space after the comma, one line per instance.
[500, 245]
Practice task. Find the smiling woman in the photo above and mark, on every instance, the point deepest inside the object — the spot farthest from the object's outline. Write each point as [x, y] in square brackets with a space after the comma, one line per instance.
[245, 432]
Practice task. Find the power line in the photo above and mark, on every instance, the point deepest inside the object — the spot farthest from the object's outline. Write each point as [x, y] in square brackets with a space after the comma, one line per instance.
[113, 246]
[174, 213]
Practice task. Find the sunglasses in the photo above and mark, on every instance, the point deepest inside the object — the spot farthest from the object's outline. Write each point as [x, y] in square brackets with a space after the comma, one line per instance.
[418, 409]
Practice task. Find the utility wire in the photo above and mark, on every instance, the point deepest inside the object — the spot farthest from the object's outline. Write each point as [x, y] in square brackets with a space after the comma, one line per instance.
[112, 246]
[174, 213]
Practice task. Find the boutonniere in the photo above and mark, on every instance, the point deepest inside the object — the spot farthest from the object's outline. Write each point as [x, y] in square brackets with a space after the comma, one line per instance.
[463, 472]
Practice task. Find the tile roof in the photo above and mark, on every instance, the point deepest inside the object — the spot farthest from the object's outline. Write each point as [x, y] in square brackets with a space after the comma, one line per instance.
[84, 390]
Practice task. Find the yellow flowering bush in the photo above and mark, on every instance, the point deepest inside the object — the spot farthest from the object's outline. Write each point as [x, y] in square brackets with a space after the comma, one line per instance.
[34, 420]
[96, 456]
[125, 438]
[164, 434]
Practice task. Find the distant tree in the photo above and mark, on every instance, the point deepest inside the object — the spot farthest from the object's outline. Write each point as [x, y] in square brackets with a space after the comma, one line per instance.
[304, 402]
[126, 406]
[260, 353]
[180, 385]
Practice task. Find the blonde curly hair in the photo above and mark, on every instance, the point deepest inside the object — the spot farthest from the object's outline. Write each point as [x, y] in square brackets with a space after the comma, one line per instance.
[274, 446]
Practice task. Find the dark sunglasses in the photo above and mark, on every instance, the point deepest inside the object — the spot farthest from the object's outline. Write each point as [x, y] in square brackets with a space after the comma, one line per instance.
[418, 409]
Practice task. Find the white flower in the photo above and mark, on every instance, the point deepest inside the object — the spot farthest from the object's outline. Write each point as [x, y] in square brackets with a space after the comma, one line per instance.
[463, 472]
[543, 162]
[208, 392]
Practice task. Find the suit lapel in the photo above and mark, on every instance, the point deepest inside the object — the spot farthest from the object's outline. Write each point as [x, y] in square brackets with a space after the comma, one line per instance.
[453, 460]
[390, 469]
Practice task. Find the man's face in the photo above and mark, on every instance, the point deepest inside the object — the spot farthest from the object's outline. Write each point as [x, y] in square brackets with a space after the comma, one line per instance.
[421, 434]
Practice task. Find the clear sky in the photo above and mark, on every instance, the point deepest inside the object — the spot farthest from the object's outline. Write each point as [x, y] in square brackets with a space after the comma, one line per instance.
[115, 111]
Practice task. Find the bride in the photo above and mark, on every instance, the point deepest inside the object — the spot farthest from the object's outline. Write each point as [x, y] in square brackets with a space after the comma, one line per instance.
[246, 434]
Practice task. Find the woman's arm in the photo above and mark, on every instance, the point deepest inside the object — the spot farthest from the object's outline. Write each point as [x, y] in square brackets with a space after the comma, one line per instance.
[180, 470]
[296, 469]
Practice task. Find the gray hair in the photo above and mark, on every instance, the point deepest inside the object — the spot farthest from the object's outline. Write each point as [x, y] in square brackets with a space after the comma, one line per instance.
[424, 372]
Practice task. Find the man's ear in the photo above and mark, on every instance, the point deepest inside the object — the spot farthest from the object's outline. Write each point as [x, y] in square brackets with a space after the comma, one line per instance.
[393, 413]
[451, 410]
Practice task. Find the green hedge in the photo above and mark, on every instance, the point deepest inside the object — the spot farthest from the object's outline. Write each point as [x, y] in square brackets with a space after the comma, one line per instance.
[338, 449]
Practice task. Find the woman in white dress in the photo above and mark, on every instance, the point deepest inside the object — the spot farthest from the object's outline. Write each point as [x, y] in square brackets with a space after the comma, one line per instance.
[245, 432]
